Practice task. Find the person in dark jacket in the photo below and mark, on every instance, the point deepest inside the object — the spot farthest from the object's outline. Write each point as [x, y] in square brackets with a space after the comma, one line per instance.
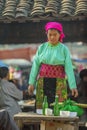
[6, 122]
[82, 97]
[82, 86]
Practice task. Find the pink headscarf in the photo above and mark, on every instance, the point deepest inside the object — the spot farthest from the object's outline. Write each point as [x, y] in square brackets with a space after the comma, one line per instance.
[57, 26]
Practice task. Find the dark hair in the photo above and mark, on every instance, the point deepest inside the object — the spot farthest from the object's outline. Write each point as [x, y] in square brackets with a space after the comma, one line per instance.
[3, 72]
[83, 73]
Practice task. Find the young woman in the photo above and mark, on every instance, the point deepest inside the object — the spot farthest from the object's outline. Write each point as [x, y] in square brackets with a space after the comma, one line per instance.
[51, 65]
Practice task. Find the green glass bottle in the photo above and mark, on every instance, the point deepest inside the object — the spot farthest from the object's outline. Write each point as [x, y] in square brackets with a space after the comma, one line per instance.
[56, 109]
[45, 105]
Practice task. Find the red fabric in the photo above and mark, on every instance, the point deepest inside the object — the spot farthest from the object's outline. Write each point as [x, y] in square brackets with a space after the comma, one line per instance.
[52, 71]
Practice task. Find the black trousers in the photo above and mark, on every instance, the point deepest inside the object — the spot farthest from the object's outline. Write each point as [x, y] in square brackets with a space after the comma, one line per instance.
[49, 89]
[6, 122]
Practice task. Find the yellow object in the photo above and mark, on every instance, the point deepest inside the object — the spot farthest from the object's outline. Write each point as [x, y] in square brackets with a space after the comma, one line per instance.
[81, 105]
[10, 76]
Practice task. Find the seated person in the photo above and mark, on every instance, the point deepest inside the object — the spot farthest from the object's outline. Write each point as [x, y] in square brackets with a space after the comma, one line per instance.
[9, 93]
[6, 122]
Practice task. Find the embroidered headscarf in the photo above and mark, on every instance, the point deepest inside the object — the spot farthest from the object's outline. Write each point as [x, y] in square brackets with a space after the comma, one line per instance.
[57, 26]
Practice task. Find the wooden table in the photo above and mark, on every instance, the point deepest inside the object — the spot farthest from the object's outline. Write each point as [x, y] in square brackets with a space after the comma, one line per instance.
[47, 122]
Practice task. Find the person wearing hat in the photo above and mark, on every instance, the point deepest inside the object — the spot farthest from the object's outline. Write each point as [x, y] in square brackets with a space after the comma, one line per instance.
[6, 122]
[51, 65]
[9, 93]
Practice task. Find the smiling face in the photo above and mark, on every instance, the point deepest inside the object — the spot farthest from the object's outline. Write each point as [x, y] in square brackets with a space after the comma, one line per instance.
[53, 36]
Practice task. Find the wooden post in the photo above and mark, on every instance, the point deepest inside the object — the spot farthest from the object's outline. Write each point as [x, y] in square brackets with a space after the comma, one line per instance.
[42, 125]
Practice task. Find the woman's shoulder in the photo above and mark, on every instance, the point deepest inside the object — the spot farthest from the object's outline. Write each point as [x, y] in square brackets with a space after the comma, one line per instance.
[42, 46]
[64, 46]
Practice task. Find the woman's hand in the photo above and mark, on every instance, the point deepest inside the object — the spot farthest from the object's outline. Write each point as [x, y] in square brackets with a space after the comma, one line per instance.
[30, 89]
[74, 92]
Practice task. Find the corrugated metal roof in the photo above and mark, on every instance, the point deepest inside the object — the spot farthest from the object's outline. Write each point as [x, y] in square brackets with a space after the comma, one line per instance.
[42, 9]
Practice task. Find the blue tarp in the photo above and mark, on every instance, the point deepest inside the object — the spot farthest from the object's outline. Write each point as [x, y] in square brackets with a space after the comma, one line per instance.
[80, 60]
[3, 64]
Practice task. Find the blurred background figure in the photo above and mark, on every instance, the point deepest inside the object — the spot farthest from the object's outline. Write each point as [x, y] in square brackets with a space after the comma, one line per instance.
[17, 78]
[11, 71]
[82, 86]
[82, 90]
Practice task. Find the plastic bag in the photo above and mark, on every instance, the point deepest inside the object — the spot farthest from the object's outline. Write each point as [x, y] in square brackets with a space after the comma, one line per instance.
[68, 105]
